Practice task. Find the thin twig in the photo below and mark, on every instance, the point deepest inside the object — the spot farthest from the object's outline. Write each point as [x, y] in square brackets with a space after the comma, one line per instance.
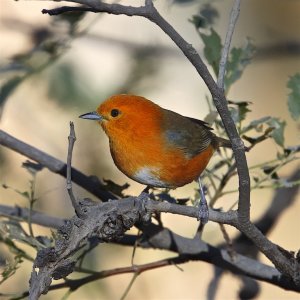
[134, 277]
[228, 241]
[72, 139]
[225, 51]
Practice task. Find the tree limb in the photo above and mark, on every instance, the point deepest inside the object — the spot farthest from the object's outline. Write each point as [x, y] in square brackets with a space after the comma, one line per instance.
[108, 221]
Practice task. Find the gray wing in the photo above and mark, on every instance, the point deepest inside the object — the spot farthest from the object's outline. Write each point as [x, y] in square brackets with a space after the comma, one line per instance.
[190, 135]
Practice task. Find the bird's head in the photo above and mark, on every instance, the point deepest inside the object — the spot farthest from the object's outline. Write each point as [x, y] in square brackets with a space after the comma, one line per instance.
[123, 113]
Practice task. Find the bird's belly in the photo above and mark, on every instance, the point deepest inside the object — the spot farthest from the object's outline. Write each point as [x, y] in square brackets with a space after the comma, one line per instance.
[169, 169]
[149, 176]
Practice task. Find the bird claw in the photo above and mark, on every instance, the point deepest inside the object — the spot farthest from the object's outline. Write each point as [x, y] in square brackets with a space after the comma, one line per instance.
[203, 213]
[143, 198]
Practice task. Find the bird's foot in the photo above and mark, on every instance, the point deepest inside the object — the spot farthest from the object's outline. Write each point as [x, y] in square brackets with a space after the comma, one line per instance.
[143, 200]
[203, 213]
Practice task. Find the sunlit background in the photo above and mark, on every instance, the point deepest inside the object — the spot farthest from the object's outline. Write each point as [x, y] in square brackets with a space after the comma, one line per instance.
[119, 54]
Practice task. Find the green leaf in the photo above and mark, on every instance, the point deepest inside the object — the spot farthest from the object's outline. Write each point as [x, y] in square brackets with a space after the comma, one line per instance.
[205, 18]
[32, 167]
[238, 59]
[198, 21]
[25, 194]
[234, 114]
[278, 130]
[294, 96]
[241, 109]
[255, 124]
[11, 268]
[270, 170]
[212, 49]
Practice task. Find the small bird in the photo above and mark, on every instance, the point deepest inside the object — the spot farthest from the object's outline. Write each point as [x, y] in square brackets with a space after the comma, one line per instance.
[155, 146]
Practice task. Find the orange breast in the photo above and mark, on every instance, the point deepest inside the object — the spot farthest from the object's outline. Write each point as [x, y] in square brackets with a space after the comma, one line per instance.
[148, 162]
[180, 170]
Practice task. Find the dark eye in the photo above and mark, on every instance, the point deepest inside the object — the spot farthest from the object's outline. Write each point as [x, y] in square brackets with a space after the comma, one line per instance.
[114, 112]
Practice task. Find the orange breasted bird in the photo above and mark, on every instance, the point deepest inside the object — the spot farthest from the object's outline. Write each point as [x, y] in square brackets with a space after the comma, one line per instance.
[155, 146]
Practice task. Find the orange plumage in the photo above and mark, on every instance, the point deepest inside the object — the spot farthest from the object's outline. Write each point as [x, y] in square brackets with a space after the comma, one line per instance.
[155, 146]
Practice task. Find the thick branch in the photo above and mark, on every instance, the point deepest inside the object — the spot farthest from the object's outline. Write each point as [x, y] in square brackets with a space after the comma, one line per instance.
[193, 249]
[108, 221]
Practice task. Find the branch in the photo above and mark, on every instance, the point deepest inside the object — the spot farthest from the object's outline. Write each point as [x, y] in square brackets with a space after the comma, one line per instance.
[223, 62]
[72, 139]
[74, 284]
[193, 249]
[108, 221]
[265, 224]
[36, 217]
[56, 166]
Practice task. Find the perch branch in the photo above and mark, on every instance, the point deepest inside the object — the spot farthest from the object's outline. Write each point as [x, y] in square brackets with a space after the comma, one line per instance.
[108, 221]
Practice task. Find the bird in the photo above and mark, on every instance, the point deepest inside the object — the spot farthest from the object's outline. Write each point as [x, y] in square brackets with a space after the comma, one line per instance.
[156, 146]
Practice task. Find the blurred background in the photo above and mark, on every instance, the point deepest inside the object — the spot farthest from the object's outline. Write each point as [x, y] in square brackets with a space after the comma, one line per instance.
[59, 68]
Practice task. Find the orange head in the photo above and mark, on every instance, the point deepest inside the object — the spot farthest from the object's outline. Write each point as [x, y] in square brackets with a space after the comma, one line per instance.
[152, 145]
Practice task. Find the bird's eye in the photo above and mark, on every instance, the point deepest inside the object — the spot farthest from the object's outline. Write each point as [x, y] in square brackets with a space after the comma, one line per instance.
[114, 112]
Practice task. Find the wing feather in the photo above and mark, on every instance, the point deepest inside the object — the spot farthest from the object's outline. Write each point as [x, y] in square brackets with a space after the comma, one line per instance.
[190, 135]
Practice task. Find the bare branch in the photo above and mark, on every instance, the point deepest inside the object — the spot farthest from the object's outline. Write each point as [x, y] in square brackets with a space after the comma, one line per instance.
[223, 62]
[108, 221]
[72, 139]
[36, 217]
[157, 237]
